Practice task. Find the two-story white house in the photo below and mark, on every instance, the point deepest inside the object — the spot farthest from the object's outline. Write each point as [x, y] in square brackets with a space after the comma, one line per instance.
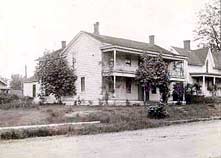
[204, 68]
[106, 66]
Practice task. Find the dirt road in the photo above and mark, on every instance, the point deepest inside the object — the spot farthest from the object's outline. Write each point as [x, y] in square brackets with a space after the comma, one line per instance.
[195, 140]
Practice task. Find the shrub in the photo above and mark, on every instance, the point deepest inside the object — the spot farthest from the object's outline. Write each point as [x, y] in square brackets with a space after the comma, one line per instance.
[21, 103]
[157, 111]
[127, 102]
[178, 92]
[7, 98]
[201, 99]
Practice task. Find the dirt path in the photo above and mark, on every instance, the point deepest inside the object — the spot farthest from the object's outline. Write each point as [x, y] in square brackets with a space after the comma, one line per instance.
[194, 140]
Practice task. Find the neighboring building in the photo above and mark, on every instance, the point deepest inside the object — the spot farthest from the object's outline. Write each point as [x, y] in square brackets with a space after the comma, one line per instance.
[3, 86]
[31, 87]
[204, 68]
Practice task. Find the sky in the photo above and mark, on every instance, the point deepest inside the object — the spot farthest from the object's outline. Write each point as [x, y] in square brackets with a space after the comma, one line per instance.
[29, 27]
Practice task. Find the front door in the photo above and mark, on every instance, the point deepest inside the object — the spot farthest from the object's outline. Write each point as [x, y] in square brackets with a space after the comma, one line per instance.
[141, 94]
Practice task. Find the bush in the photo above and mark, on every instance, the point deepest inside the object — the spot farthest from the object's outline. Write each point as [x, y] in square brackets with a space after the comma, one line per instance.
[157, 111]
[7, 98]
[20, 103]
[201, 99]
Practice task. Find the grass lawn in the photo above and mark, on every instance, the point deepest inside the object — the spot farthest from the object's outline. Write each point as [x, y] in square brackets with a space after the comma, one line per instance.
[112, 119]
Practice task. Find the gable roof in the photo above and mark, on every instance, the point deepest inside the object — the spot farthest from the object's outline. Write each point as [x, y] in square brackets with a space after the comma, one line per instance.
[129, 43]
[195, 57]
[217, 59]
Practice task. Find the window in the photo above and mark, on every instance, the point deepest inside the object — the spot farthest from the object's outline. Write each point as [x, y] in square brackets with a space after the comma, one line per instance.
[128, 60]
[128, 85]
[34, 91]
[82, 84]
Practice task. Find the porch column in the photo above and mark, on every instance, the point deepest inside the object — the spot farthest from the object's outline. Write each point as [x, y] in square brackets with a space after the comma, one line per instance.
[204, 85]
[115, 53]
[114, 87]
[214, 84]
[214, 80]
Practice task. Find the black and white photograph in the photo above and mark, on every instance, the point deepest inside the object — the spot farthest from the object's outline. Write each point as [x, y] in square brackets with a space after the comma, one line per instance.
[110, 79]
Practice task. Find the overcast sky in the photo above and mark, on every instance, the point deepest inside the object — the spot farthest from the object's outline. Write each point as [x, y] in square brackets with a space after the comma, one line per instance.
[28, 27]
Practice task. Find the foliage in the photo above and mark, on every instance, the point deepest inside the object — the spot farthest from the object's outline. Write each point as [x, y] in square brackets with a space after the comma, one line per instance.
[157, 111]
[16, 82]
[202, 100]
[208, 30]
[14, 102]
[212, 89]
[56, 76]
[153, 71]
[7, 98]
[190, 90]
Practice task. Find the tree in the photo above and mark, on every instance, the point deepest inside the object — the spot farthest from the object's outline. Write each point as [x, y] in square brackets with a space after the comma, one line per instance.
[208, 30]
[16, 82]
[153, 71]
[56, 76]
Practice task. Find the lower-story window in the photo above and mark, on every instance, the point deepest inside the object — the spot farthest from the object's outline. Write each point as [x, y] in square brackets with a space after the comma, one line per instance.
[82, 84]
[128, 85]
[34, 91]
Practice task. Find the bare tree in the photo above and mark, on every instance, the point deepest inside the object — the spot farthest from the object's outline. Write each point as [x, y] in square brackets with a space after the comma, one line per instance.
[16, 82]
[208, 30]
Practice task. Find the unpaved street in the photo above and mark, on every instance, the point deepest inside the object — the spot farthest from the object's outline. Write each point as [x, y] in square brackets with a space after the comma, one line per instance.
[195, 140]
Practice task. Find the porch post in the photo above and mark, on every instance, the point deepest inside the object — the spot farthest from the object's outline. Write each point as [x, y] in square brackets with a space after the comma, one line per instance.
[115, 53]
[114, 87]
[204, 86]
[214, 80]
[214, 84]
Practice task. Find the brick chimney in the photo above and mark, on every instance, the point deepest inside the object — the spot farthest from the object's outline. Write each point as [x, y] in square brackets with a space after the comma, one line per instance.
[151, 39]
[186, 44]
[96, 28]
[63, 44]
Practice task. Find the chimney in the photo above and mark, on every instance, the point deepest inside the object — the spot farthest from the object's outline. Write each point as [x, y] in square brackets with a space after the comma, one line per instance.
[96, 28]
[151, 39]
[63, 44]
[186, 44]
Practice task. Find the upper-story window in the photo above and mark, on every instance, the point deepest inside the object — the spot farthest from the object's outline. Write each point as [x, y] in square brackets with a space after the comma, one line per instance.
[207, 66]
[178, 68]
[128, 60]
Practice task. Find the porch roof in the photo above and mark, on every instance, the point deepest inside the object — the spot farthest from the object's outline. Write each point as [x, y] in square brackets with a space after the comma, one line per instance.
[205, 74]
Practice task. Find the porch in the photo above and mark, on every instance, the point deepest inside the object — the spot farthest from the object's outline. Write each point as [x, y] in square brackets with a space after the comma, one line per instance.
[210, 83]
[119, 70]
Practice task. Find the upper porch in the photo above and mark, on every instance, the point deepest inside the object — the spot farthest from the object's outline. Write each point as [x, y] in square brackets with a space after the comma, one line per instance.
[118, 61]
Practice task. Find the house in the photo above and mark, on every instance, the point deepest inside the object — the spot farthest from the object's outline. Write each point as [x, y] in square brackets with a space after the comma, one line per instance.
[106, 66]
[3, 86]
[204, 68]
[97, 57]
